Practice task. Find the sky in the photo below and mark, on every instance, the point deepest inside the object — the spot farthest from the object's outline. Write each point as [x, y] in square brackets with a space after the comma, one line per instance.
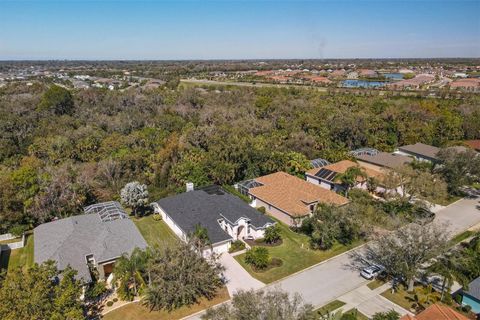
[230, 29]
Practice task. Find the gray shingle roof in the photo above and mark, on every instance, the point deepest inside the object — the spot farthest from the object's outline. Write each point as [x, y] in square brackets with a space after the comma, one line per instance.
[68, 241]
[474, 289]
[422, 150]
[385, 159]
[206, 207]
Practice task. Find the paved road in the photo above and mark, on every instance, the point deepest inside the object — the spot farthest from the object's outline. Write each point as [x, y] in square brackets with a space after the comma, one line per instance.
[327, 281]
[460, 215]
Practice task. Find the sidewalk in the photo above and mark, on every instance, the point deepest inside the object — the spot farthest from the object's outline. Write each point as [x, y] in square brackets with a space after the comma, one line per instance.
[369, 302]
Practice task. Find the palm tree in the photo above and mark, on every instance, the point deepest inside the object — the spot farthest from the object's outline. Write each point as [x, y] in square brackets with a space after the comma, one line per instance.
[447, 267]
[128, 271]
[350, 177]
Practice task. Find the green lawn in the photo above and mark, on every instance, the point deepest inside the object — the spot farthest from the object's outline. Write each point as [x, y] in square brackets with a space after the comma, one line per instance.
[331, 306]
[19, 257]
[375, 284]
[461, 236]
[135, 311]
[296, 255]
[156, 233]
[400, 297]
[358, 314]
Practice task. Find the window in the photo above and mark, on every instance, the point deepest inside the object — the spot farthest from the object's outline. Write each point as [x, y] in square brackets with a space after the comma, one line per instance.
[312, 207]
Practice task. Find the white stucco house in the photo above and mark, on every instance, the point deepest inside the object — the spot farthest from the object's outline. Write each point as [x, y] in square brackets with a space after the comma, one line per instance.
[225, 217]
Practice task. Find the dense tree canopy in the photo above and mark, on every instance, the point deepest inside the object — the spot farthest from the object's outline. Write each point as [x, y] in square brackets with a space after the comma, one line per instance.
[84, 146]
[42, 292]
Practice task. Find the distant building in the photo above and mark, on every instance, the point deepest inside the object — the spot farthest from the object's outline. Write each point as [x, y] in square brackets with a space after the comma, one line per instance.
[415, 83]
[424, 152]
[367, 73]
[470, 84]
[474, 144]
[383, 160]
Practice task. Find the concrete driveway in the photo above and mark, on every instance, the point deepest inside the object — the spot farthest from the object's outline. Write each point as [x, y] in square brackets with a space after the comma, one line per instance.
[237, 277]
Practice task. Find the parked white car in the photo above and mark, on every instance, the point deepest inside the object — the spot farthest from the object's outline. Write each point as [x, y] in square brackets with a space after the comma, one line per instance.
[372, 271]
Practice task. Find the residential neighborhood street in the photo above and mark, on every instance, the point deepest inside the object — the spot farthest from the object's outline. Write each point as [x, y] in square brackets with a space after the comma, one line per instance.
[334, 278]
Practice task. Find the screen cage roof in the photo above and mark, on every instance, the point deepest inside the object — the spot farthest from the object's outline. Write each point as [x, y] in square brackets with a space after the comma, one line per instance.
[364, 151]
[318, 163]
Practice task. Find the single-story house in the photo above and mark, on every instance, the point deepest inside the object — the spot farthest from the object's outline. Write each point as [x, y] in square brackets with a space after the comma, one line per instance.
[382, 160]
[225, 216]
[436, 311]
[471, 296]
[327, 176]
[289, 198]
[95, 239]
[424, 152]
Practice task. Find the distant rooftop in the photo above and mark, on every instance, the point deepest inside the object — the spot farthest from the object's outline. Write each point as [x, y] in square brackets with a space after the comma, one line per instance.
[384, 159]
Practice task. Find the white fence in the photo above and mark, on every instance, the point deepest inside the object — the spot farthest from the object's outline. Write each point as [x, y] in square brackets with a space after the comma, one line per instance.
[6, 236]
[12, 245]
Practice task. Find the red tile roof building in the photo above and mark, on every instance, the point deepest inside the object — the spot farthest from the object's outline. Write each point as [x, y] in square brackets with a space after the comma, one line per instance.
[437, 311]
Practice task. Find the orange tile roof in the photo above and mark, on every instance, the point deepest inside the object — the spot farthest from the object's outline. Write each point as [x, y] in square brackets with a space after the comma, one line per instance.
[437, 311]
[474, 144]
[342, 166]
[292, 194]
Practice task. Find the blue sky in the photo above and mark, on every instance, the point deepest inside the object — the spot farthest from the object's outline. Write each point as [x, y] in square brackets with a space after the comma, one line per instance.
[238, 29]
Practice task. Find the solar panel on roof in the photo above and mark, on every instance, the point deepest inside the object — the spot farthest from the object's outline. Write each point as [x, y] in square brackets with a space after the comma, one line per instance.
[326, 174]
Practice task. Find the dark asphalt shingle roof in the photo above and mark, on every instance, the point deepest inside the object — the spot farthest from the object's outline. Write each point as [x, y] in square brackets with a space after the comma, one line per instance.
[205, 207]
[474, 289]
[68, 241]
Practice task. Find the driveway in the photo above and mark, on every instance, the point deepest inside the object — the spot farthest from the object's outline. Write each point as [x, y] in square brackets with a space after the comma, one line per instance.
[331, 279]
[237, 277]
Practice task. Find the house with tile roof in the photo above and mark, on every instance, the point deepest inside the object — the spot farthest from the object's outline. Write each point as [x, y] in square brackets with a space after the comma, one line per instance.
[474, 144]
[289, 198]
[437, 311]
[224, 216]
[95, 239]
[328, 176]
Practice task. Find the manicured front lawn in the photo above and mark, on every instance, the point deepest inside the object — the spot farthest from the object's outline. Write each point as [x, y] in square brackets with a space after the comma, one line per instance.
[331, 306]
[296, 255]
[135, 311]
[357, 314]
[375, 284]
[156, 233]
[22, 257]
[402, 297]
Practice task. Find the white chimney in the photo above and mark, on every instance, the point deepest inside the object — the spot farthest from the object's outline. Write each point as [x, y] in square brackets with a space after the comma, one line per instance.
[189, 186]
